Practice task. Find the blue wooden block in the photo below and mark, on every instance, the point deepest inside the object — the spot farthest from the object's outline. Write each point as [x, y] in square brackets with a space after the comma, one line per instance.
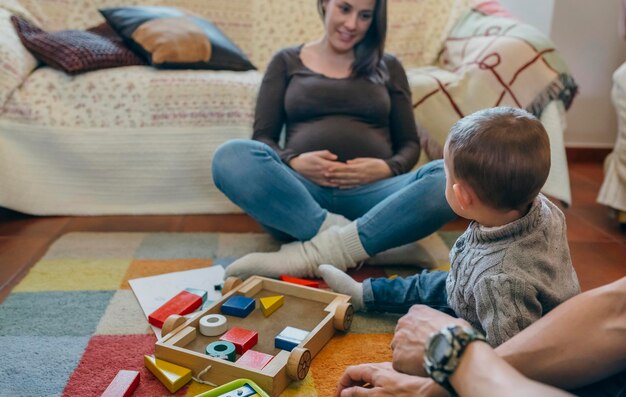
[289, 338]
[238, 306]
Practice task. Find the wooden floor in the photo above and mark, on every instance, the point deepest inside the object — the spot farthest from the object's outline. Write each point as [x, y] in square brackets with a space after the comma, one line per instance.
[597, 244]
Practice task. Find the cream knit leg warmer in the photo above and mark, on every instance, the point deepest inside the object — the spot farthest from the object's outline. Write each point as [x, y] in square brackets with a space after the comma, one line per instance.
[333, 219]
[339, 246]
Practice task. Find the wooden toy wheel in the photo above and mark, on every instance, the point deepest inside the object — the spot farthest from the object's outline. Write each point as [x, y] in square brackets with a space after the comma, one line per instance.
[343, 316]
[230, 283]
[171, 323]
[298, 363]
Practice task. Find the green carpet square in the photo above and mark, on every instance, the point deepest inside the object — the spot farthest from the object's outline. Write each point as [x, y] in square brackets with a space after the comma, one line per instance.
[95, 245]
[178, 246]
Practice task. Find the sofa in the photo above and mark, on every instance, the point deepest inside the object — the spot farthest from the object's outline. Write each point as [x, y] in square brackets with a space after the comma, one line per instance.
[139, 139]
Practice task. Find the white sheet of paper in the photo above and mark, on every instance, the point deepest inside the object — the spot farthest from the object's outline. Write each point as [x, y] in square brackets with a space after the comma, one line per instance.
[152, 292]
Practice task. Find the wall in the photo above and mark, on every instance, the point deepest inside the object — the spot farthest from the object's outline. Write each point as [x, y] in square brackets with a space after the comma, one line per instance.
[536, 12]
[587, 35]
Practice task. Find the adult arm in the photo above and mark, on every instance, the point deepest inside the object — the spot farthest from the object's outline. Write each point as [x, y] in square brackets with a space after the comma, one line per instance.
[411, 334]
[500, 312]
[270, 117]
[381, 380]
[269, 114]
[579, 342]
[402, 126]
[481, 372]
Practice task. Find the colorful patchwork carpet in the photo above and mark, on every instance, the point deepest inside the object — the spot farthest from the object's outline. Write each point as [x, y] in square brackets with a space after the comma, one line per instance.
[73, 322]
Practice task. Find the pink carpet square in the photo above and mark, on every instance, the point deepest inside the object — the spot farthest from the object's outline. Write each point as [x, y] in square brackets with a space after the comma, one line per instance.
[105, 355]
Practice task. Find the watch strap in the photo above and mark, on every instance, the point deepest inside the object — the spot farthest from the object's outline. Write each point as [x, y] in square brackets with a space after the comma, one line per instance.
[457, 338]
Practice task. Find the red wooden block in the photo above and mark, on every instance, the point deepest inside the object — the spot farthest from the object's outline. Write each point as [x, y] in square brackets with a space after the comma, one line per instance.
[300, 281]
[242, 338]
[123, 385]
[254, 359]
[183, 303]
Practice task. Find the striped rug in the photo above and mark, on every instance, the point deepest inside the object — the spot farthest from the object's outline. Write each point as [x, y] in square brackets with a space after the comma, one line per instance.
[73, 322]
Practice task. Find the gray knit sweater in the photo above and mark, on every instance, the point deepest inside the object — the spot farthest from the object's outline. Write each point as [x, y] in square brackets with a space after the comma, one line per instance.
[503, 280]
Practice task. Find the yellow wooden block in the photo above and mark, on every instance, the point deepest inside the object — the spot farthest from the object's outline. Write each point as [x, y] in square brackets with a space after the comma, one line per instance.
[171, 375]
[392, 276]
[270, 304]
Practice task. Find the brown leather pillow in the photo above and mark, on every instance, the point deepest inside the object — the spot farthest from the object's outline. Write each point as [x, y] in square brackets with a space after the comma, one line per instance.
[76, 51]
[173, 40]
[168, 37]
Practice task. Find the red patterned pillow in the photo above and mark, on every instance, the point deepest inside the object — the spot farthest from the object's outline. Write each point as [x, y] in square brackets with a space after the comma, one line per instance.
[76, 51]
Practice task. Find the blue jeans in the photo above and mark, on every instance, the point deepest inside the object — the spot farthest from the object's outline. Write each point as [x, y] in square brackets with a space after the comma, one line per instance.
[389, 213]
[399, 294]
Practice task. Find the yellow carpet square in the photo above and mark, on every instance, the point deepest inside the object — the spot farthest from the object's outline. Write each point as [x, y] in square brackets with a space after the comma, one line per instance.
[74, 275]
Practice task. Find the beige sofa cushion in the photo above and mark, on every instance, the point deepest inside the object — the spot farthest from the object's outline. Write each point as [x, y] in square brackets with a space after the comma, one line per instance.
[135, 97]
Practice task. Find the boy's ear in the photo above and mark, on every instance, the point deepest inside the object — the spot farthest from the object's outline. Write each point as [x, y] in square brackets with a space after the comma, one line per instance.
[463, 195]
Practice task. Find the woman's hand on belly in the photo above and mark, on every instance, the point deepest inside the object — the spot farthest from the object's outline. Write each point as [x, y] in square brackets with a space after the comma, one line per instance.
[357, 172]
[315, 166]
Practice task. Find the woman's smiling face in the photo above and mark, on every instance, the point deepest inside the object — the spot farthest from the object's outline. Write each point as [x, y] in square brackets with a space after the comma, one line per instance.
[347, 22]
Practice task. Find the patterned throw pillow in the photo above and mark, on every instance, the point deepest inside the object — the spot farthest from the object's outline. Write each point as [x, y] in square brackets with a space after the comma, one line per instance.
[76, 51]
[171, 38]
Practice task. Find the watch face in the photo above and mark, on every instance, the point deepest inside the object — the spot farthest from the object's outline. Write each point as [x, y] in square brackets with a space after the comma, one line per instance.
[439, 348]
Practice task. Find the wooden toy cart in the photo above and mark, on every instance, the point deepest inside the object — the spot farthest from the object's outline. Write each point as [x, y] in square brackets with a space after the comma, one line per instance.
[318, 311]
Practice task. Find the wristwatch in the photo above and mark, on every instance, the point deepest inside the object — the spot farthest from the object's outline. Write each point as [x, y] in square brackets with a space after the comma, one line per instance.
[444, 350]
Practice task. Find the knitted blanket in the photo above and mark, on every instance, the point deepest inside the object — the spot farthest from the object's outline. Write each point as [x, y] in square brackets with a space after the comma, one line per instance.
[489, 59]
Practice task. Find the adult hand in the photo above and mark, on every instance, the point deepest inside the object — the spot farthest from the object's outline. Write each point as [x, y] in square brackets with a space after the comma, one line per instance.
[357, 172]
[315, 166]
[381, 380]
[412, 332]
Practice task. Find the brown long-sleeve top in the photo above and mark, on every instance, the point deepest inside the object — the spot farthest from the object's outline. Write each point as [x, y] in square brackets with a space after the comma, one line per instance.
[350, 117]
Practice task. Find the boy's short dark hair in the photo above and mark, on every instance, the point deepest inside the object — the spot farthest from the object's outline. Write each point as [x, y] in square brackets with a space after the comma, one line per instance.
[503, 154]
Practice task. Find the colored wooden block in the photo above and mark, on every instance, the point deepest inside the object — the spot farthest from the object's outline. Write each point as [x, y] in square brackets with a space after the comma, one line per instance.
[183, 303]
[213, 325]
[270, 304]
[238, 306]
[206, 304]
[254, 359]
[171, 375]
[222, 349]
[242, 338]
[200, 292]
[300, 281]
[289, 338]
[123, 385]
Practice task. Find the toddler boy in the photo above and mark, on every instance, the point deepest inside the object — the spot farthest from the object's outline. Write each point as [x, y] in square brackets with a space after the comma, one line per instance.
[512, 264]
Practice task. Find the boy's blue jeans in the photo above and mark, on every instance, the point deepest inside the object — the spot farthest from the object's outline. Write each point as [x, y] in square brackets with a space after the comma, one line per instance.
[389, 213]
[398, 295]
